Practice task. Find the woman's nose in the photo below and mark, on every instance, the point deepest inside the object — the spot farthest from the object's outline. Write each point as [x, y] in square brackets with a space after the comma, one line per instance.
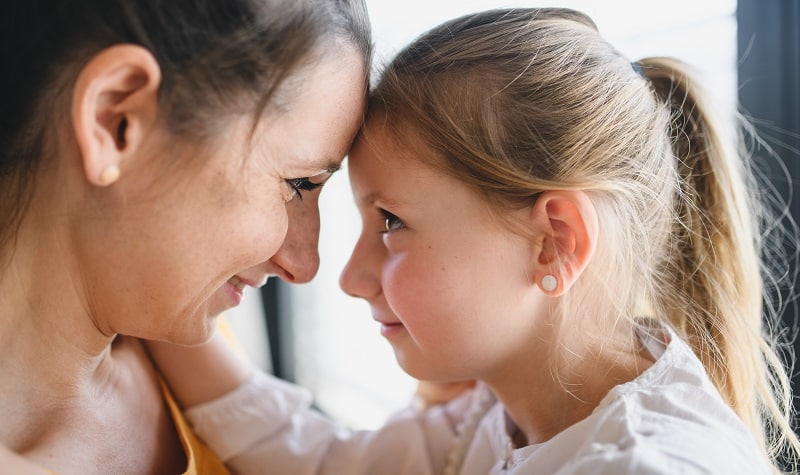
[360, 276]
[297, 260]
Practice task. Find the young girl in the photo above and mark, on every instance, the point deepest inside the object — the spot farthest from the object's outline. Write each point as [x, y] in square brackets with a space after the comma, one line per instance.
[568, 229]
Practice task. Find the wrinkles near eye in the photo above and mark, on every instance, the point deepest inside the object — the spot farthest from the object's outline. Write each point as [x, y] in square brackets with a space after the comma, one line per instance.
[299, 185]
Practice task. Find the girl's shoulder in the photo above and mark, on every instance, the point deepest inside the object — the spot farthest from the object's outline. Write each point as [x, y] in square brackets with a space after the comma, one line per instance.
[671, 419]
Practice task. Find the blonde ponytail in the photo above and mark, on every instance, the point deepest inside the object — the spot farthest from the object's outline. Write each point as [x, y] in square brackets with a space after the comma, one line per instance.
[714, 273]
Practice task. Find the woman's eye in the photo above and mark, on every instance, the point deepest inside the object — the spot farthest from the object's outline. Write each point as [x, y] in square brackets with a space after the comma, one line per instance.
[299, 185]
[391, 222]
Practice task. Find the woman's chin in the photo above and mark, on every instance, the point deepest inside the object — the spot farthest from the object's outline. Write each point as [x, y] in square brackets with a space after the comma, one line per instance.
[197, 333]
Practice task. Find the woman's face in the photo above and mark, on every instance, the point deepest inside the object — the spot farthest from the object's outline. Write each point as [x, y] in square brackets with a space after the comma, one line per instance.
[185, 248]
[449, 283]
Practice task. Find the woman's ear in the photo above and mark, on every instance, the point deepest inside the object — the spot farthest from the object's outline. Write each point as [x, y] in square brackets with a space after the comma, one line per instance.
[569, 229]
[114, 105]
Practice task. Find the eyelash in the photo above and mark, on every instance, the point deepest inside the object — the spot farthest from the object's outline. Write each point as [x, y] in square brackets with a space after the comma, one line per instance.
[389, 218]
[299, 185]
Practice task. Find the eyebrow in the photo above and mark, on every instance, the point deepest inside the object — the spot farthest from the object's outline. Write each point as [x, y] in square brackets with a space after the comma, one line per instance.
[327, 167]
[333, 167]
[326, 172]
[370, 198]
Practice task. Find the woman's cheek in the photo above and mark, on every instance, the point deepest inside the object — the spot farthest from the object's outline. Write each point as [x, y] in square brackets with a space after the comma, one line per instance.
[271, 233]
[261, 229]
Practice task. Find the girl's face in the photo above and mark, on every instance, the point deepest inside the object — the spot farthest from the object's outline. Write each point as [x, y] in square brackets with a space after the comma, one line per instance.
[449, 283]
[185, 248]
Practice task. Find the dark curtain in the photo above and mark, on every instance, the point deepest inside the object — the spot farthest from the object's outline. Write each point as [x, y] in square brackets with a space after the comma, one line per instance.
[769, 92]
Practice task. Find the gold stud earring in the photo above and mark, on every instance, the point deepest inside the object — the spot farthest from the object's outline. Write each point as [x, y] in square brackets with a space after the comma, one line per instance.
[109, 175]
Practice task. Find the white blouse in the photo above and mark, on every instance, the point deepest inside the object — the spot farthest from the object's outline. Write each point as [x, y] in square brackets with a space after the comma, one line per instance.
[669, 420]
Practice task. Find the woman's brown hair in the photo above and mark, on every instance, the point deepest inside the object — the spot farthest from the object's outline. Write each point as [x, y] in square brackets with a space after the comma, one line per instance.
[217, 58]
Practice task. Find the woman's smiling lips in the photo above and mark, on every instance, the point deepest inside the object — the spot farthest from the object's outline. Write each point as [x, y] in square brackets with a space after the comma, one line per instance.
[234, 288]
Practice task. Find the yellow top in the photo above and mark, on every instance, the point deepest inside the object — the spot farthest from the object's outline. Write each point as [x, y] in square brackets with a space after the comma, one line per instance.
[200, 460]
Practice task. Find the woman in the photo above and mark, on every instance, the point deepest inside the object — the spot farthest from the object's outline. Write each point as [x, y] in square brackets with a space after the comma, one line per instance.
[154, 157]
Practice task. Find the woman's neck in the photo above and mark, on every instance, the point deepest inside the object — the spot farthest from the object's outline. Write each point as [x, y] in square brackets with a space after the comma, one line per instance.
[54, 355]
[542, 400]
[72, 391]
[70, 395]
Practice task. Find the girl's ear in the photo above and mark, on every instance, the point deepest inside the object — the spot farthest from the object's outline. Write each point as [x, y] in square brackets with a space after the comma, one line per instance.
[568, 239]
[114, 105]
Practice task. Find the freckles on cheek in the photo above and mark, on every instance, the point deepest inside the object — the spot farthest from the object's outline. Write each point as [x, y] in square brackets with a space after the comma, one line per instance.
[393, 286]
[400, 285]
[412, 292]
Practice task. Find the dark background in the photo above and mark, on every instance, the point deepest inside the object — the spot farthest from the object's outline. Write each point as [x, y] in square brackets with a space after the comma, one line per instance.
[769, 92]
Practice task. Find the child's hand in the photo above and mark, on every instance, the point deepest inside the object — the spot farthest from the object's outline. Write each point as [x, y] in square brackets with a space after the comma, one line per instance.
[202, 373]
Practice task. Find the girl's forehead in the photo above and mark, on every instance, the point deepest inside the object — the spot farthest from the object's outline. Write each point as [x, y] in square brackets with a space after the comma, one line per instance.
[394, 140]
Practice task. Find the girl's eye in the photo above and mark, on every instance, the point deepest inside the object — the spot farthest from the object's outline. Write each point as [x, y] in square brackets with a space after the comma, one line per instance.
[391, 222]
[299, 185]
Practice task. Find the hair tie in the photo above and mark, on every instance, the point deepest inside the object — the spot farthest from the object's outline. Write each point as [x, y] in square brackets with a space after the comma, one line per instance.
[639, 70]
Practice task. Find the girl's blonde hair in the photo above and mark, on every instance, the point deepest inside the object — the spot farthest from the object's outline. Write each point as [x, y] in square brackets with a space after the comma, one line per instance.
[516, 102]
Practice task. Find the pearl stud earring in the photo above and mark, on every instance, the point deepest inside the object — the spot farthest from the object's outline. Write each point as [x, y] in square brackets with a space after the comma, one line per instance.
[549, 283]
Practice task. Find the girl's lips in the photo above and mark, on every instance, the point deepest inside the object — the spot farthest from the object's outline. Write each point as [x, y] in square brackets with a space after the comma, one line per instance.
[389, 330]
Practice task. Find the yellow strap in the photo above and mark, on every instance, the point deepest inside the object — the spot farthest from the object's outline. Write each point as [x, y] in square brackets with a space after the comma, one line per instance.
[201, 460]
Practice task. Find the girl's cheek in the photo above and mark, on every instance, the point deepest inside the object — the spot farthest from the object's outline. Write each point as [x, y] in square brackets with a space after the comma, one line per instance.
[404, 286]
[396, 281]
[389, 276]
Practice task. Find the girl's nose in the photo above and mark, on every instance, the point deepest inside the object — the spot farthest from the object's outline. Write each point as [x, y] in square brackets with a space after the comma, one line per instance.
[361, 275]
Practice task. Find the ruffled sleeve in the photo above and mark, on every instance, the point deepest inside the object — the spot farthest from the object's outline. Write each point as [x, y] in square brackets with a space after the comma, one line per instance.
[267, 425]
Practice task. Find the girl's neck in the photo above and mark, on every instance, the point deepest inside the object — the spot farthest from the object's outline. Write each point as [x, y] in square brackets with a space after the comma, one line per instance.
[543, 400]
